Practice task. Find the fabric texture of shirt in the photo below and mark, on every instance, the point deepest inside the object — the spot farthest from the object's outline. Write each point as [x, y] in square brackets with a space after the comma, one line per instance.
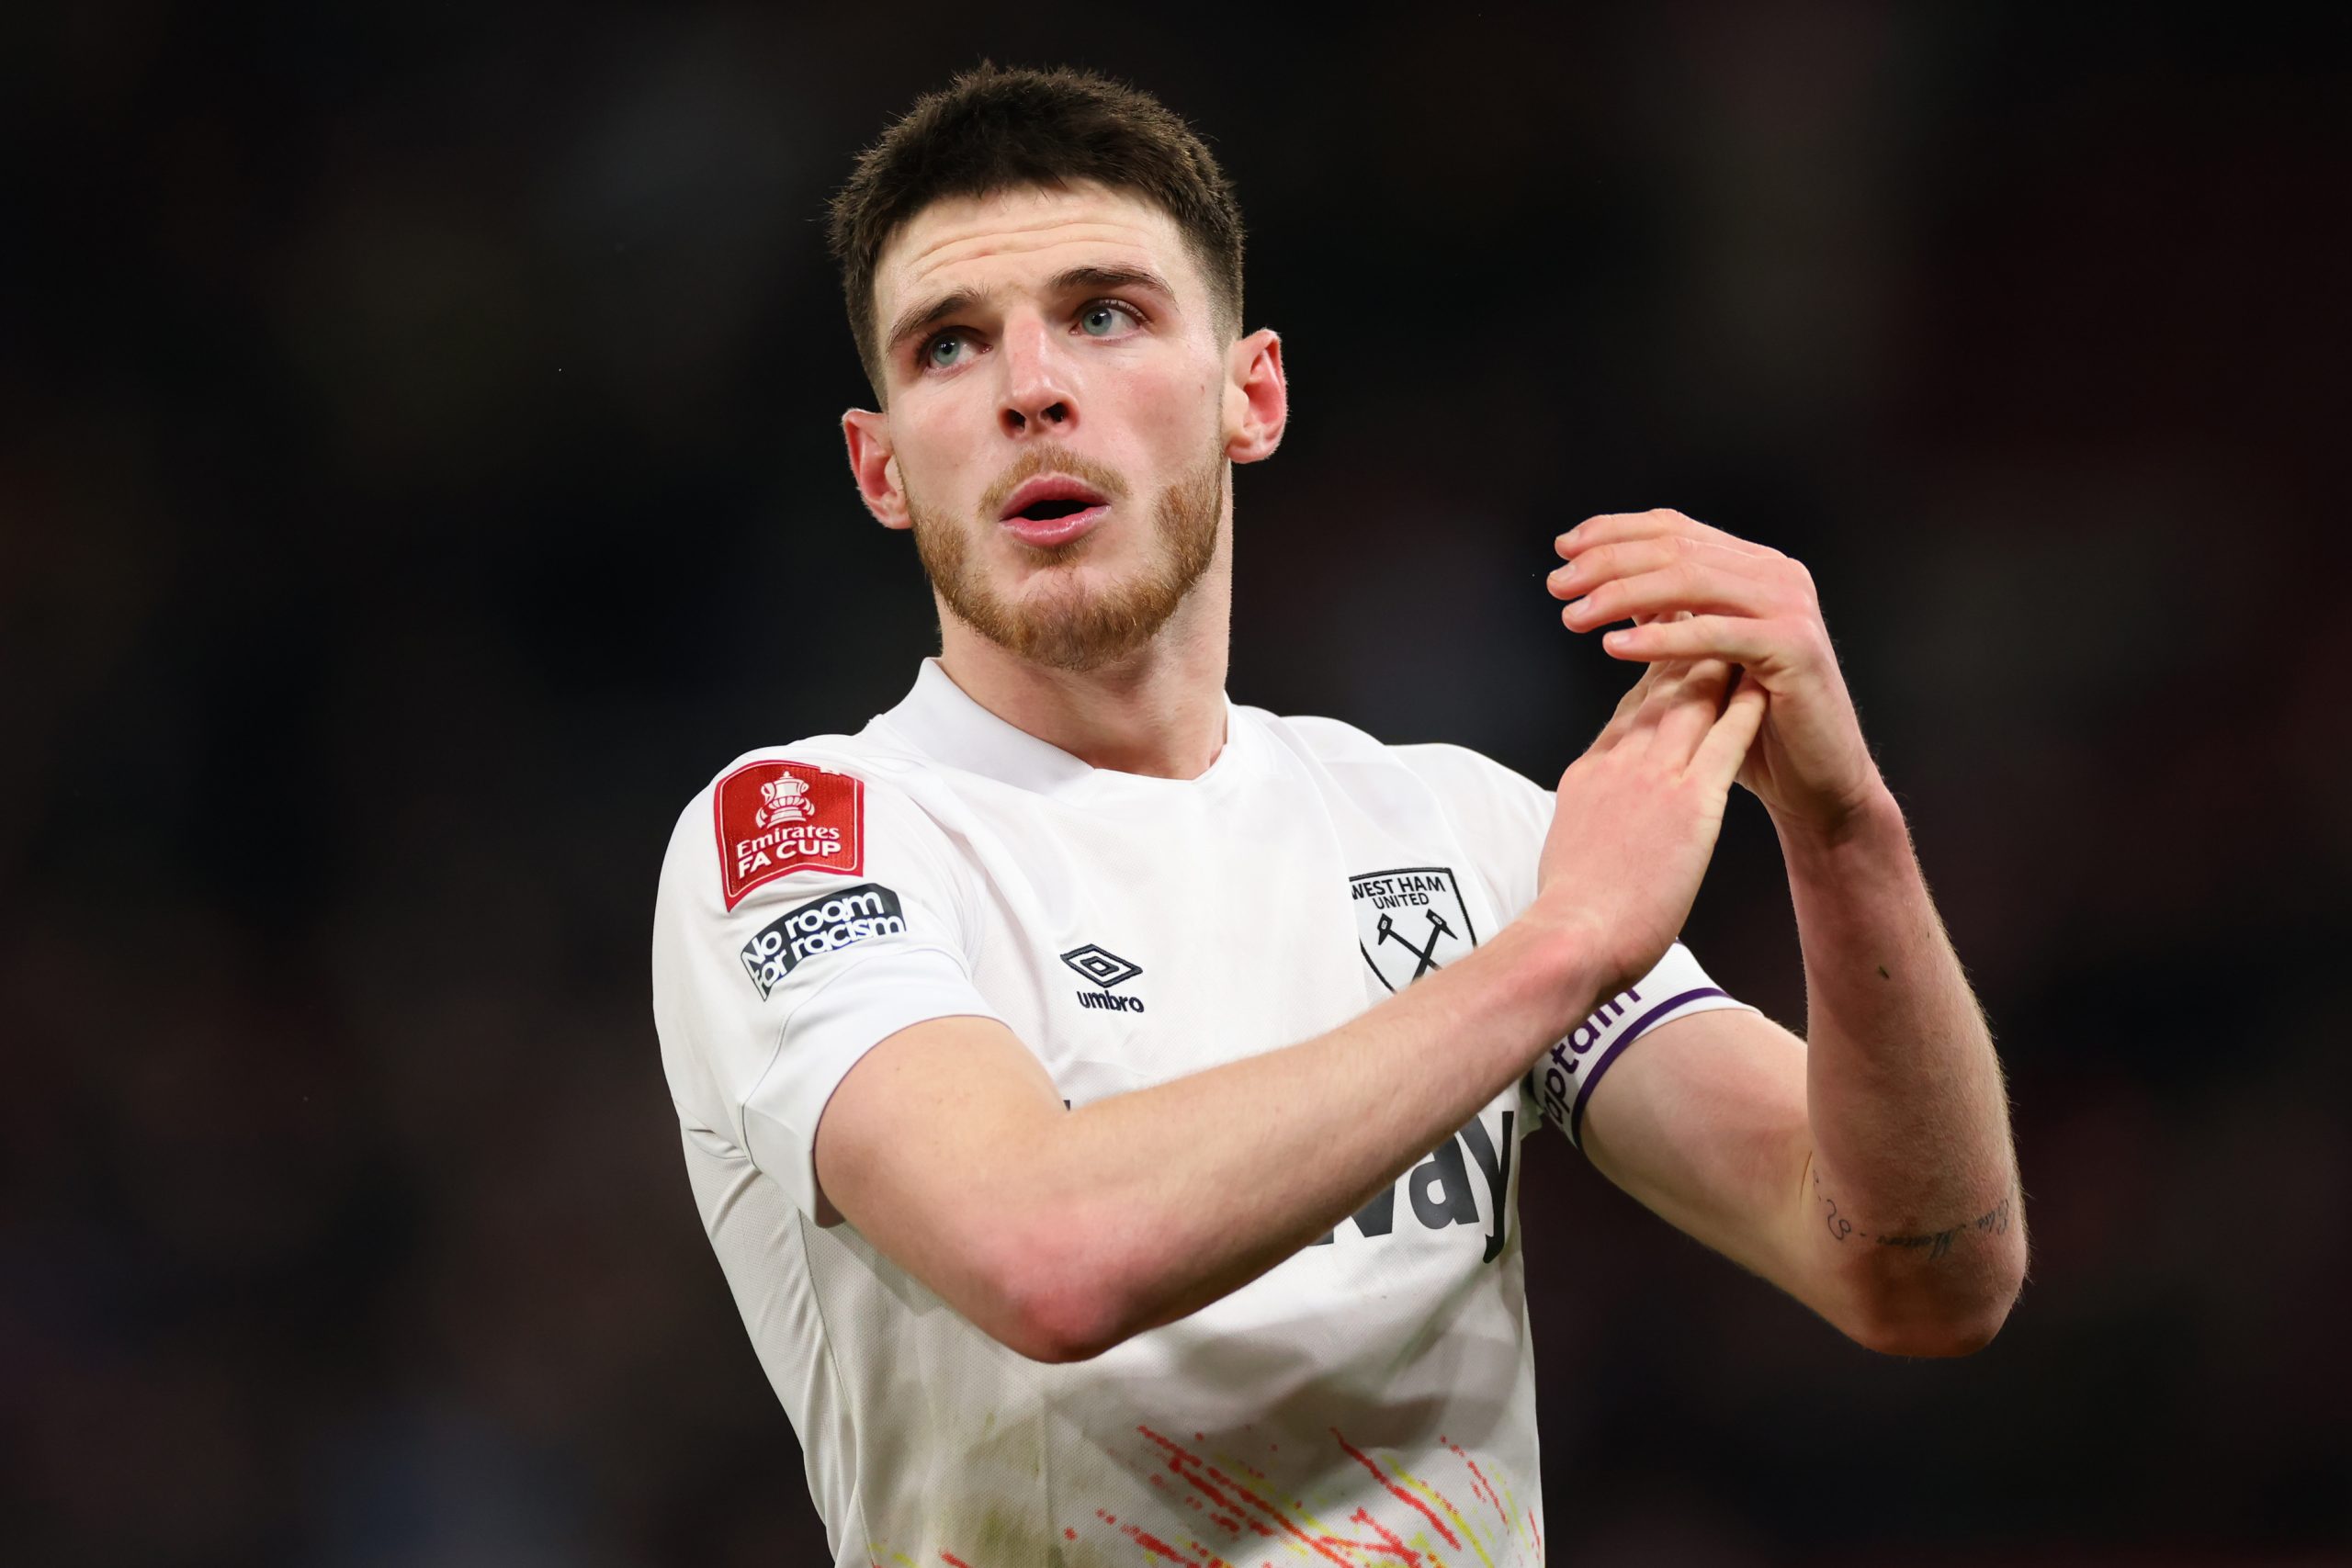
[1369, 1398]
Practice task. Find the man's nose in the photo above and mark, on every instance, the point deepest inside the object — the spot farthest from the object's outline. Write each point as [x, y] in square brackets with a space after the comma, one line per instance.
[1039, 398]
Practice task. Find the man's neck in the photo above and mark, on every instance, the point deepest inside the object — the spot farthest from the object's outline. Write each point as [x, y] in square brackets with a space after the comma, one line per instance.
[1159, 712]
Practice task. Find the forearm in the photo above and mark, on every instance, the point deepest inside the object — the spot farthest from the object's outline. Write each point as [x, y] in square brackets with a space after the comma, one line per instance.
[1062, 1232]
[1911, 1197]
[1181, 1193]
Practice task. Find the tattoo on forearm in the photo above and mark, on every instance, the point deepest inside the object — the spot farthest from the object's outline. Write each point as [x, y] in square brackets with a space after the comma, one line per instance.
[1993, 1220]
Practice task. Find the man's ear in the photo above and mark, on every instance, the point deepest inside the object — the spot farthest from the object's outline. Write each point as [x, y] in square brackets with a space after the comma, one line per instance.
[876, 468]
[1256, 398]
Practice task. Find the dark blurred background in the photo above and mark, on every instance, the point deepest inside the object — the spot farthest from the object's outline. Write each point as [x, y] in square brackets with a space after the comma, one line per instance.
[419, 472]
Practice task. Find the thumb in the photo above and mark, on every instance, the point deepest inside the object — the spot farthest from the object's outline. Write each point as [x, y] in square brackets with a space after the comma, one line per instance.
[1726, 747]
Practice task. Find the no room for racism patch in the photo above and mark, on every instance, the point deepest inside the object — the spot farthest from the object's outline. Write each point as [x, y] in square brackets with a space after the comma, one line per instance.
[825, 924]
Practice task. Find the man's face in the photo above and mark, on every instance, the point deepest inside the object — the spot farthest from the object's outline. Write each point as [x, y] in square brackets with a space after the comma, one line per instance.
[1058, 416]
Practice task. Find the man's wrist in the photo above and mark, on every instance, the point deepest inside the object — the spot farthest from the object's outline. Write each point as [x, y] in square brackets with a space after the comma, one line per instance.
[1559, 955]
[1871, 823]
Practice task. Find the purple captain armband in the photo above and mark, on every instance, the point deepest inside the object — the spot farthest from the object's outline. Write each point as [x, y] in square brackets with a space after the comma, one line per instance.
[1562, 1079]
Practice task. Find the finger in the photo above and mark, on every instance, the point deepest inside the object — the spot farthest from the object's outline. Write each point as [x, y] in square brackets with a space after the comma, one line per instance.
[1629, 708]
[1726, 747]
[1685, 585]
[1743, 639]
[1699, 702]
[1672, 674]
[1588, 568]
[1611, 526]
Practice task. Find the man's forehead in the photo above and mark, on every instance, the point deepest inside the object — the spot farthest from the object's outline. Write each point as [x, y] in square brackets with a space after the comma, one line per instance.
[1010, 234]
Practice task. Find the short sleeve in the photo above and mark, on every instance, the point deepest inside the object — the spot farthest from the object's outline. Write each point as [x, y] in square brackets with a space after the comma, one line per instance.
[806, 914]
[1561, 1081]
[1500, 817]
[1503, 817]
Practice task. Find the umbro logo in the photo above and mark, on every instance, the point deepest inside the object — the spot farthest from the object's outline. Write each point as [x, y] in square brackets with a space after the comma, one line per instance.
[1102, 965]
[1106, 969]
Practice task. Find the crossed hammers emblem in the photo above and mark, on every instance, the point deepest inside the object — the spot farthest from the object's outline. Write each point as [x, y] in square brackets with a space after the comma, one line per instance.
[1428, 955]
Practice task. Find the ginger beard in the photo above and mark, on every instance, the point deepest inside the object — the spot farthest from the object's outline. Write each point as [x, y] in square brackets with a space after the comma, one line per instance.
[1056, 623]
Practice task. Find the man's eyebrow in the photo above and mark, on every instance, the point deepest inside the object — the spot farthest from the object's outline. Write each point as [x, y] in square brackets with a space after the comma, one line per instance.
[921, 316]
[956, 302]
[1080, 277]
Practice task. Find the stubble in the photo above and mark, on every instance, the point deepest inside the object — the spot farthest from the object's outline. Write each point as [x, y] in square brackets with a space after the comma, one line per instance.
[1056, 623]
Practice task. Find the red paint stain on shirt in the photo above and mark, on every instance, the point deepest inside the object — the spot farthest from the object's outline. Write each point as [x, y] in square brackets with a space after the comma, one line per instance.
[1388, 1541]
[1485, 1489]
[1160, 1548]
[1398, 1492]
[1243, 1508]
[1213, 1483]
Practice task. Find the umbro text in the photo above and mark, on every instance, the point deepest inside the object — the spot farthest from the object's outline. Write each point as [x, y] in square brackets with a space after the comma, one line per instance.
[1103, 1001]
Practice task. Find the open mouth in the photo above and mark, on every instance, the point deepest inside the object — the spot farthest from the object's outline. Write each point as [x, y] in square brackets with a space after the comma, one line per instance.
[1049, 498]
[1053, 509]
[1048, 511]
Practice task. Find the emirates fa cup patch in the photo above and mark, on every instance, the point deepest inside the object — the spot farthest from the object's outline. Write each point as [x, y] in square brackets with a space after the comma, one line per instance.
[1410, 921]
[779, 817]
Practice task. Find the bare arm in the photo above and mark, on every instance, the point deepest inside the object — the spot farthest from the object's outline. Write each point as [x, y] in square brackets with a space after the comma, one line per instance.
[1913, 1189]
[1871, 1174]
[1061, 1233]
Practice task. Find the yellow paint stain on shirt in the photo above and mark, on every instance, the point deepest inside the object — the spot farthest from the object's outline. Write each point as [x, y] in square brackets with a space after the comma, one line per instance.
[1468, 1532]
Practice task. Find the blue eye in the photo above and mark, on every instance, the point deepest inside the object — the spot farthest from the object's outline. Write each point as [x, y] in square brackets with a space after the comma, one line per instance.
[940, 353]
[1106, 318]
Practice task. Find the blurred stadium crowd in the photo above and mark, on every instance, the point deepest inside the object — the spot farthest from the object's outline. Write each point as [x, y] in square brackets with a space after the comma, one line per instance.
[418, 474]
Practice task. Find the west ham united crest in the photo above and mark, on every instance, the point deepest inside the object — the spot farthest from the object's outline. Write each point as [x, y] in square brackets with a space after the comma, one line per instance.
[1410, 921]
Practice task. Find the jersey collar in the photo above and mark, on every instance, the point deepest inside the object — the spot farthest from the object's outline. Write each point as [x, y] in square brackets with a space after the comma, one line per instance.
[940, 720]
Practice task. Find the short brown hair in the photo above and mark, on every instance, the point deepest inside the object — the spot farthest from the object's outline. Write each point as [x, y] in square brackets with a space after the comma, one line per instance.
[994, 129]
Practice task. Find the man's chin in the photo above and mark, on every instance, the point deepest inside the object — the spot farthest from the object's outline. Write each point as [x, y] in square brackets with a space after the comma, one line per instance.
[1076, 625]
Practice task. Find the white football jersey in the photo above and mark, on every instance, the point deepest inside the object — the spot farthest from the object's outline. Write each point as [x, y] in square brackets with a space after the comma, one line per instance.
[1369, 1398]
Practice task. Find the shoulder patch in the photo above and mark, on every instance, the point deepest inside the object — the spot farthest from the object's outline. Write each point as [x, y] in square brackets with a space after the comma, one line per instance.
[779, 817]
[827, 923]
